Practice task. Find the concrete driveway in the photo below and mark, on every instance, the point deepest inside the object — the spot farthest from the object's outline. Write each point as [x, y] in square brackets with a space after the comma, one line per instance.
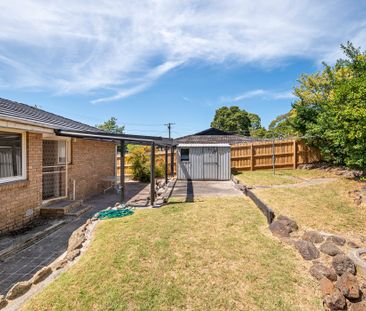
[198, 188]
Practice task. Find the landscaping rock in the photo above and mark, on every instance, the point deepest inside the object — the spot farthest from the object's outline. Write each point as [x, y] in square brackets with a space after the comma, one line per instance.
[18, 290]
[76, 240]
[326, 286]
[307, 250]
[3, 302]
[330, 249]
[353, 244]
[319, 271]
[41, 275]
[342, 264]
[61, 264]
[335, 301]
[279, 229]
[348, 285]
[288, 222]
[336, 240]
[358, 306]
[73, 254]
[313, 236]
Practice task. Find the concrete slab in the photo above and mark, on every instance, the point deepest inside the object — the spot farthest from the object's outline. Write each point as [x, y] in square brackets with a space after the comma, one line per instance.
[197, 188]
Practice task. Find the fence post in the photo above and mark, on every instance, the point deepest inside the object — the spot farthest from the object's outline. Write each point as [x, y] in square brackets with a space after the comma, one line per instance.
[251, 157]
[295, 154]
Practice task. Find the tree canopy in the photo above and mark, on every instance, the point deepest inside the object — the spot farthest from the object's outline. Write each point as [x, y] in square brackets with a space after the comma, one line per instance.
[331, 109]
[111, 126]
[232, 119]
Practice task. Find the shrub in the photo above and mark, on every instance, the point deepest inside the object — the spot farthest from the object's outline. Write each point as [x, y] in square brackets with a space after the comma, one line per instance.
[139, 158]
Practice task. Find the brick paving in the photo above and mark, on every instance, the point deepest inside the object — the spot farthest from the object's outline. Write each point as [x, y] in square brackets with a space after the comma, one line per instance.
[24, 264]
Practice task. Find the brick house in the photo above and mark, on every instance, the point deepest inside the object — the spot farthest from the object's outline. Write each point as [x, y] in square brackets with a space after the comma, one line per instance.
[37, 166]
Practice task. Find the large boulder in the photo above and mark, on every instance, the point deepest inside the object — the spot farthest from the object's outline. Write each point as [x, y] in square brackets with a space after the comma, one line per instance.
[288, 222]
[320, 271]
[348, 285]
[330, 249]
[41, 275]
[326, 286]
[18, 290]
[313, 236]
[342, 264]
[335, 301]
[338, 240]
[279, 229]
[307, 250]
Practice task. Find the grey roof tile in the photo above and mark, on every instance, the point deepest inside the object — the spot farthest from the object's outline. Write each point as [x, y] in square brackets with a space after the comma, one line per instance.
[9, 108]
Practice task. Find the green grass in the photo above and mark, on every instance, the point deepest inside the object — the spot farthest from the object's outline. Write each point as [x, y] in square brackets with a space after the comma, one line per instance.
[326, 207]
[281, 176]
[216, 254]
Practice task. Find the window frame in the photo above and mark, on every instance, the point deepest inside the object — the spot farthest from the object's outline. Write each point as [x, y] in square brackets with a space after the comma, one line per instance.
[23, 176]
[184, 160]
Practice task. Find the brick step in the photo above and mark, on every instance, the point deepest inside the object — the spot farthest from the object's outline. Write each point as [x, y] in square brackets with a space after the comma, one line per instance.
[59, 208]
[79, 210]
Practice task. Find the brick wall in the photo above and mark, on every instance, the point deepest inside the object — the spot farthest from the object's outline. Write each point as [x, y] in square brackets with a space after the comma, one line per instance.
[20, 201]
[91, 161]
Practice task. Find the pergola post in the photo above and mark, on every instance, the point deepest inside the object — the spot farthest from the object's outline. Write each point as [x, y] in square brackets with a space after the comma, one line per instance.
[122, 171]
[172, 161]
[152, 174]
[166, 165]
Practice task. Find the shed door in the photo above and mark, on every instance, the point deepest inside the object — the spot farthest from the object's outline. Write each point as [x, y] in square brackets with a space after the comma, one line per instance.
[210, 163]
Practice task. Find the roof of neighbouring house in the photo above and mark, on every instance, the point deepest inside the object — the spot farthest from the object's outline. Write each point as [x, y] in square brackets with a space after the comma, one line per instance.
[213, 136]
[22, 112]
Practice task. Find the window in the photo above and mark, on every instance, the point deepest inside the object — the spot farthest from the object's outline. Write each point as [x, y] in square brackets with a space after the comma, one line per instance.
[184, 154]
[61, 152]
[12, 156]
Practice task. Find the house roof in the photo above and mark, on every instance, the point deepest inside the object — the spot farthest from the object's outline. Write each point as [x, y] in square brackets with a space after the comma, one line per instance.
[213, 136]
[29, 114]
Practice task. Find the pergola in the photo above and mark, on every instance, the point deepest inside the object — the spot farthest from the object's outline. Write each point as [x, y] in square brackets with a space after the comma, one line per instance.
[123, 139]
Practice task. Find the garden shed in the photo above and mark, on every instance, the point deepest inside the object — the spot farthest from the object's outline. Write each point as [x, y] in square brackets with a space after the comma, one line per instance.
[203, 161]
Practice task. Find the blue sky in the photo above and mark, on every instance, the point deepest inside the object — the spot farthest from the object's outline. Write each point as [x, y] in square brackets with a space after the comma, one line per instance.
[152, 62]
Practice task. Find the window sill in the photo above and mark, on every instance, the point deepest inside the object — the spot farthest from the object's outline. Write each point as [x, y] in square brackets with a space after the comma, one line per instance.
[9, 185]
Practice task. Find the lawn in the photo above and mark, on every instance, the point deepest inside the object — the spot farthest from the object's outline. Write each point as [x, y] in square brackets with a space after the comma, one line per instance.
[215, 254]
[281, 176]
[326, 207]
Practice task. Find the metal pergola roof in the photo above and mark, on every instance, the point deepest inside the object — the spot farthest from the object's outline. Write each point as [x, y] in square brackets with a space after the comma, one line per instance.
[128, 138]
[122, 139]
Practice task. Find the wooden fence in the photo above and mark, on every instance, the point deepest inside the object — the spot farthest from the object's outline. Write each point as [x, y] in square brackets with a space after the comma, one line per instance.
[258, 155]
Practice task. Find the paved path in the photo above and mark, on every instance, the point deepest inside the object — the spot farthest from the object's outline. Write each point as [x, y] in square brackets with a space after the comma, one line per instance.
[196, 188]
[24, 264]
[308, 182]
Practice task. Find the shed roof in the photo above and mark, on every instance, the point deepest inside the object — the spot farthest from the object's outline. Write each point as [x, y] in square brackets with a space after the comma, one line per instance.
[203, 145]
[213, 136]
[22, 112]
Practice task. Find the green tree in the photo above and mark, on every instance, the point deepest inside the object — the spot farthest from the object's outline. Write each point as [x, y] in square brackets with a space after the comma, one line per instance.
[232, 119]
[112, 126]
[331, 109]
[282, 126]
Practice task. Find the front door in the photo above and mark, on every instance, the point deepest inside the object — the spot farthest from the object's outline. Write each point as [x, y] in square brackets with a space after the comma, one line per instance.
[54, 170]
[210, 163]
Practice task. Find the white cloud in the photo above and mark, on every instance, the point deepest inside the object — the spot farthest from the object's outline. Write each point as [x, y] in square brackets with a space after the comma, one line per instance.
[262, 94]
[121, 47]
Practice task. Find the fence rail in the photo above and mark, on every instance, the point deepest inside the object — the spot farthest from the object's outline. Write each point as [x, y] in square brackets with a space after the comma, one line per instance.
[258, 155]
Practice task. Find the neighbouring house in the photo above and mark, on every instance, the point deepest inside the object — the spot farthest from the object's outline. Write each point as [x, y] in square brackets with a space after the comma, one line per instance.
[37, 166]
[206, 155]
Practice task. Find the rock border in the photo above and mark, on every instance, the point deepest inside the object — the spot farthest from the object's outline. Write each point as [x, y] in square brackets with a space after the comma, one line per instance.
[78, 242]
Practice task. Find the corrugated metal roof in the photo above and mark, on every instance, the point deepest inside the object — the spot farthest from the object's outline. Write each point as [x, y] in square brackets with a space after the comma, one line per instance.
[23, 112]
[202, 145]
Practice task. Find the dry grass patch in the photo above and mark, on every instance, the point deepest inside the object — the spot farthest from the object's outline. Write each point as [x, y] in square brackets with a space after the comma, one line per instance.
[326, 207]
[210, 255]
[281, 176]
